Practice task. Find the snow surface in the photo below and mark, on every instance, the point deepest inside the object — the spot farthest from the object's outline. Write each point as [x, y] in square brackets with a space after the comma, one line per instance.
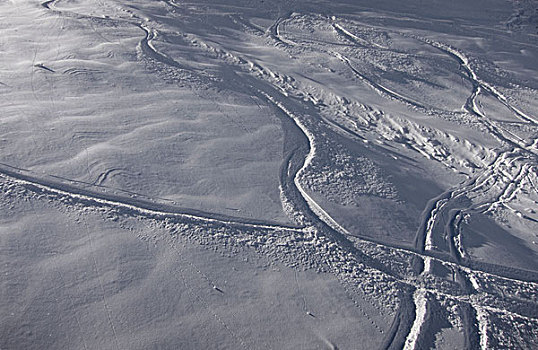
[268, 174]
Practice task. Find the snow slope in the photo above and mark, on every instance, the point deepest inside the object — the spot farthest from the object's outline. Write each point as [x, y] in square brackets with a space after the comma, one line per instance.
[268, 174]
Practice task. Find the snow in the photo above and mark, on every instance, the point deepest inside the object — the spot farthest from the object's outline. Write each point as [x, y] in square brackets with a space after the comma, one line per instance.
[420, 298]
[268, 174]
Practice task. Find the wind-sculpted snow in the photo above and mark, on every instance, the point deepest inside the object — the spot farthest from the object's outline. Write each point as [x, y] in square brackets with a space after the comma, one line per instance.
[392, 149]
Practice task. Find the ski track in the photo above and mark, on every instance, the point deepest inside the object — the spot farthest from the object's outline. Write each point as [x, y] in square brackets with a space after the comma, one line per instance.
[380, 89]
[481, 302]
[146, 210]
[504, 136]
[480, 83]
[420, 300]
[315, 207]
[481, 317]
[274, 31]
[471, 105]
[453, 225]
